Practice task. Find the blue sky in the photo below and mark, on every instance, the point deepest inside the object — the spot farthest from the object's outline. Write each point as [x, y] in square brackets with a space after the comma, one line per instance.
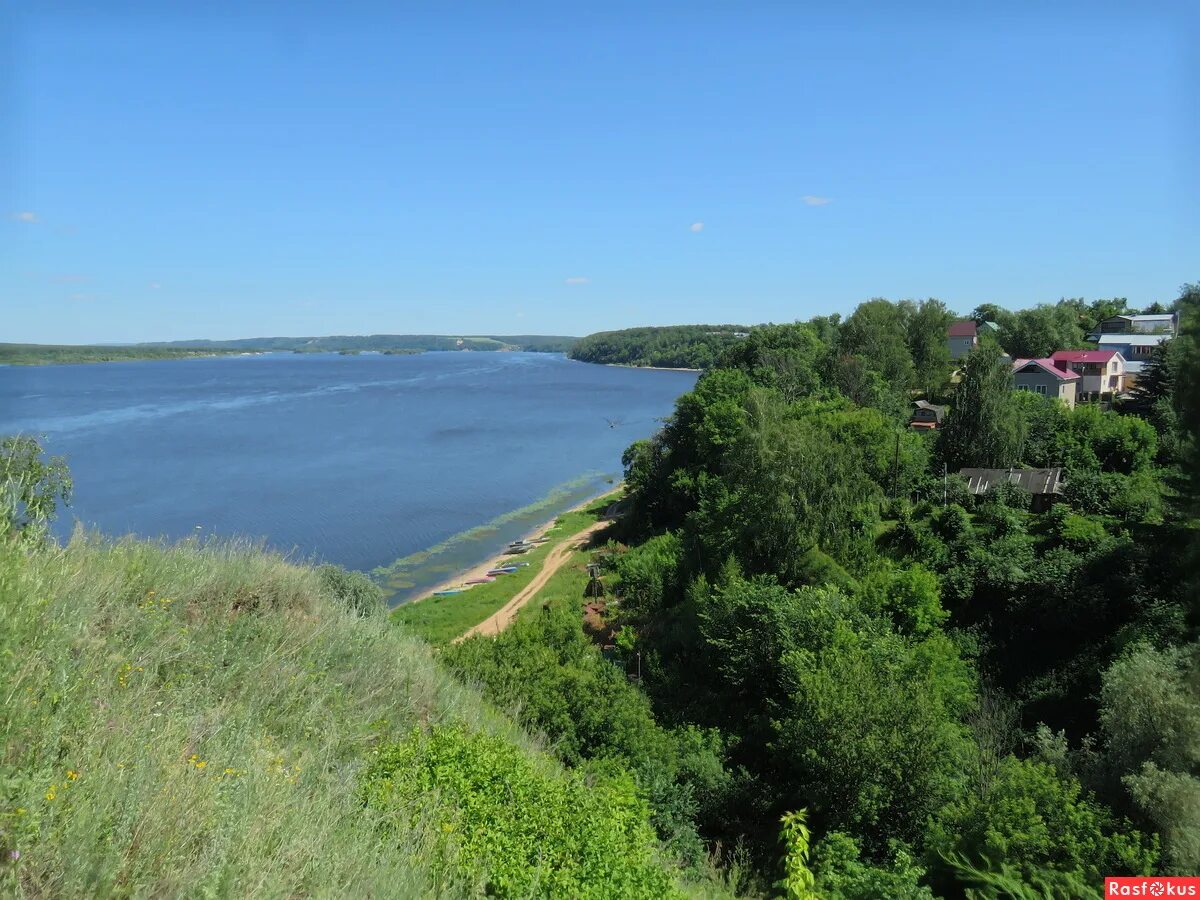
[568, 168]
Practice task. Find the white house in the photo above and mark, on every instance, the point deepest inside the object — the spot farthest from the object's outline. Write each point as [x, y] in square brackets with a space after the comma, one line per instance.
[1101, 372]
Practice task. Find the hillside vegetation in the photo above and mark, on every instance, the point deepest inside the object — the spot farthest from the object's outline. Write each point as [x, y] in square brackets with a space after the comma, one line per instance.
[670, 346]
[51, 354]
[211, 720]
[936, 694]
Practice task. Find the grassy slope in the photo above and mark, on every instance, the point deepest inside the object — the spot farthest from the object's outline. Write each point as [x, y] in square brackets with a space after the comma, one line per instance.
[441, 619]
[194, 720]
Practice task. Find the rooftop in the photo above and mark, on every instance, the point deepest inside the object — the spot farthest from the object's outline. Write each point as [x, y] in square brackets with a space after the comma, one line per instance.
[1083, 356]
[1131, 340]
[1035, 481]
[1022, 365]
[966, 328]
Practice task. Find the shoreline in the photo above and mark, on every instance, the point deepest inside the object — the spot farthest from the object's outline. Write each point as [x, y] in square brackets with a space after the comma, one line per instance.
[480, 570]
[649, 368]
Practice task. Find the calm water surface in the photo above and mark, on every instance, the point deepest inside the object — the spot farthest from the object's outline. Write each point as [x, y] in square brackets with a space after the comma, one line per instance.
[368, 461]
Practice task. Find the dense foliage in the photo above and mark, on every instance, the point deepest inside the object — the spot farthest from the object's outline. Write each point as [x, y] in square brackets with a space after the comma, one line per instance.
[534, 833]
[964, 696]
[671, 346]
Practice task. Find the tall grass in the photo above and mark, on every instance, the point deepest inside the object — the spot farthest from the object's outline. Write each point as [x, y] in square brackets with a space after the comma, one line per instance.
[193, 721]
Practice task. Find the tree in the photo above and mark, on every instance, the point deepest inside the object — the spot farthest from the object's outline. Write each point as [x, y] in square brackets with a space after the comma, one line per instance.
[1187, 390]
[928, 346]
[31, 487]
[1036, 333]
[984, 427]
[1033, 819]
[877, 331]
[990, 312]
[1150, 713]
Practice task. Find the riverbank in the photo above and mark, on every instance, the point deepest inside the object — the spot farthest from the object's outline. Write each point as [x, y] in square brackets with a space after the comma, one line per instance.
[440, 619]
[497, 557]
[649, 368]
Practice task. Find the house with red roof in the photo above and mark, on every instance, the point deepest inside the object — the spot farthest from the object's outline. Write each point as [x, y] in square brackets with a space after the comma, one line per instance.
[963, 337]
[1101, 372]
[1042, 376]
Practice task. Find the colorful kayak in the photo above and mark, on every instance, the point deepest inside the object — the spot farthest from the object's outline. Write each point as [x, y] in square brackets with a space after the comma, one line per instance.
[505, 571]
[479, 581]
[449, 591]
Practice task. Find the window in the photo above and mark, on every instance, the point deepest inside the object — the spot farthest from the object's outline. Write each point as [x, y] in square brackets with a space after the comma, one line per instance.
[1040, 388]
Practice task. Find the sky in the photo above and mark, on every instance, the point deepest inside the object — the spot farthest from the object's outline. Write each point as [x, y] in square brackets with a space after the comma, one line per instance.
[175, 171]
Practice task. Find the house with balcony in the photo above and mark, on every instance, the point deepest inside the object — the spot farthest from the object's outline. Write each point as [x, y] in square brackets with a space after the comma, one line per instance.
[1101, 372]
[1042, 376]
[1135, 349]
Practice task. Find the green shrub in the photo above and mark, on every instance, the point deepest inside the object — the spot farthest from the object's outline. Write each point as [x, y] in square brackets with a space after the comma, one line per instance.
[353, 590]
[517, 830]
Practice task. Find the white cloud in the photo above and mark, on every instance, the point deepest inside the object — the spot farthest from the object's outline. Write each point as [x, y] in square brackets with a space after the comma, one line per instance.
[696, 227]
[154, 285]
[813, 200]
[81, 296]
[26, 216]
[577, 279]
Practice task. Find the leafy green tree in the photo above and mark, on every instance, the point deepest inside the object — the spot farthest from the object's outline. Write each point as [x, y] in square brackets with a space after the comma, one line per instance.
[1187, 391]
[1150, 714]
[990, 312]
[786, 358]
[904, 697]
[520, 831]
[928, 346]
[31, 487]
[353, 589]
[1038, 332]
[877, 332]
[983, 427]
[841, 872]
[1033, 819]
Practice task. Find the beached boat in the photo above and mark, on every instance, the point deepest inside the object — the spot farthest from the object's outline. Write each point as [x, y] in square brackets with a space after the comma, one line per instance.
[505, 571]
[449, 591]
[479, 580]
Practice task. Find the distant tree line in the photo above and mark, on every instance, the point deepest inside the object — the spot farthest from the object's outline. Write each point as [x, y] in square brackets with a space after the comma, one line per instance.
[672, 346]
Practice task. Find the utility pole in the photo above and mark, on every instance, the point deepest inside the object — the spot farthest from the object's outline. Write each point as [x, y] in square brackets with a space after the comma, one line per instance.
[945, 484]
[896, 469]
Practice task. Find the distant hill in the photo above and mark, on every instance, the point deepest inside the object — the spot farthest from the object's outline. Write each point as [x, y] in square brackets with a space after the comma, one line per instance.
[667, 346]
[49, 354]
[46, 354]
[333, 343]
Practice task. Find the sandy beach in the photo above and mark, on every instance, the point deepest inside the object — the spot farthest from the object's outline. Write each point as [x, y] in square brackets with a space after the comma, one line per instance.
[497, 557]
[649, 368]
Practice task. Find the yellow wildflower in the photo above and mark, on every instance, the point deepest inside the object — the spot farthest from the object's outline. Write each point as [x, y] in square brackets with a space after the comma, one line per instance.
[72, 775]
[52, 793]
